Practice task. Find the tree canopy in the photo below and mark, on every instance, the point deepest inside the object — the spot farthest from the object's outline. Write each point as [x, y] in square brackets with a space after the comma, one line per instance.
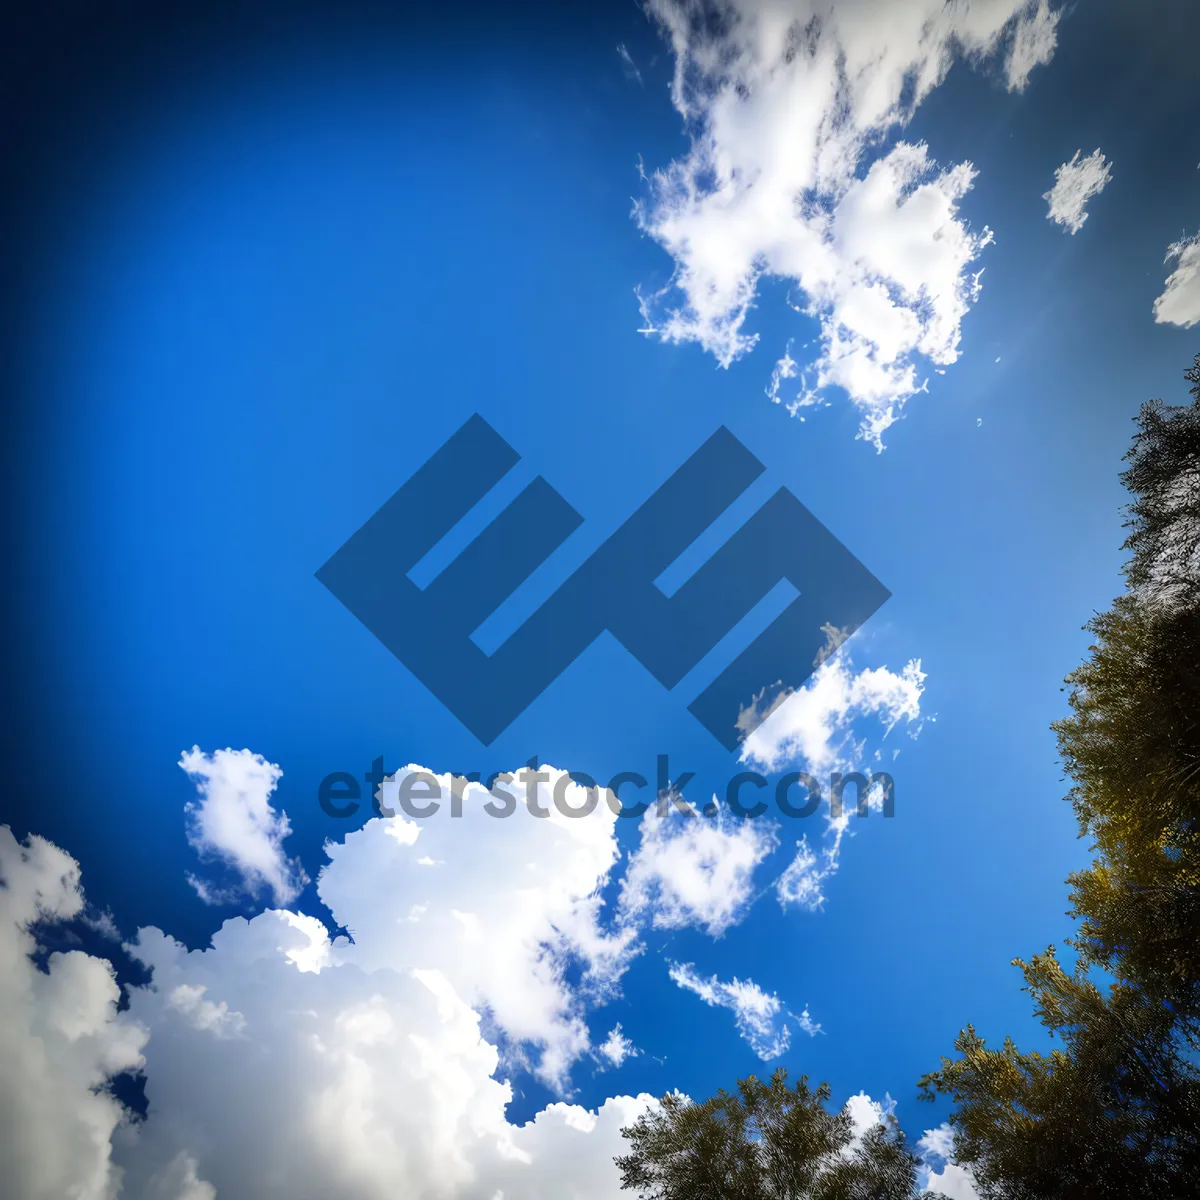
[1116, 1111]
[768, 1141]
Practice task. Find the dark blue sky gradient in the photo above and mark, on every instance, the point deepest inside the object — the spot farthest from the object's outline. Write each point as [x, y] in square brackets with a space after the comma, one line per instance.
[263, 263]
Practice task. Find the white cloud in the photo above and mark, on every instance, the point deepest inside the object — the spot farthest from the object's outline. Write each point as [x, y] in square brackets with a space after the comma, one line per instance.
[761, 1016]
[203, 1014]
[937, 1143]
[101, 922]
[178, 1180]
[693, 870]
[952, 1181]
[616, 1048]
[1034, 39]
[1075, 183]
[279, 1061]
[785, 368]
[817, 729]
[941, 1174]
[802, 882]
[866, 1113]
[514, 904]
[815, 725]
[372, 1083]
[789, 107]
[1179, 303]
[631, 68]
[61, 1038]
[364, 1083]
[807, 1024]
[564, 1153]
[937, 1173]
[233, 821]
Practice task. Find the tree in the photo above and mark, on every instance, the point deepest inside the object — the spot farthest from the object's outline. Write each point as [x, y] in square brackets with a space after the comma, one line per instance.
[1116, 1111]
[1164, 477]
[768, 1142]
[1132, 743]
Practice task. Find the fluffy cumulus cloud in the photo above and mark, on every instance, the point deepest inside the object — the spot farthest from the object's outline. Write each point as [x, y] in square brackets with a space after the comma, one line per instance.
[61, 1038]
[1179, 303]
[500, 907]
[761, 1017]
[866, 1113]
[694, 870]
[232, 821]
[825, 728]
[941, 1173]
[280, 1060]
[340, 1081]
[1075, 183]
[790, 174]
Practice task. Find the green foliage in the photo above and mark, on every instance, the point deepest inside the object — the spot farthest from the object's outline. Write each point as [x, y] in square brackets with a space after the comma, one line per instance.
[1164, 478]
[1116, 1111]
[768, 1142]
[1132, 743]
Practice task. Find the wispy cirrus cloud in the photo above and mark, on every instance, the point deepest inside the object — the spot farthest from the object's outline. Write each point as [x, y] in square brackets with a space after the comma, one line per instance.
[827, 727]
[616, 1049]
[1075, 184]
[761, 1016]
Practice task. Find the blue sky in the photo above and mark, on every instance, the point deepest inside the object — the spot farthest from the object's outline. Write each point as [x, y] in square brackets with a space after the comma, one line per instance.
[271, 283]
